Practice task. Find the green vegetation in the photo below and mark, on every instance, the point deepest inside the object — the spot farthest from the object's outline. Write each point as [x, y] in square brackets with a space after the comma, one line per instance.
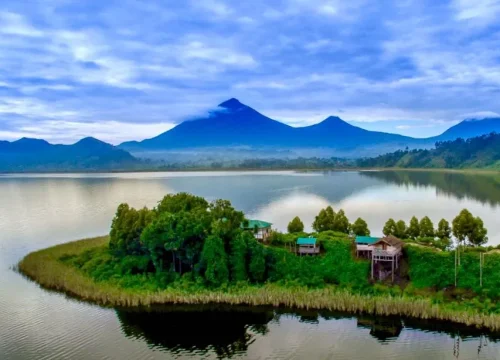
[467, 228]
[187, 250]
[360, 228]
[327, 219]
[296, 225]
[479, 152]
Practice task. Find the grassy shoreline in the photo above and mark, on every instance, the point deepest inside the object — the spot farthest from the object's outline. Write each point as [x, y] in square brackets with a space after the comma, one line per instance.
[45, 268]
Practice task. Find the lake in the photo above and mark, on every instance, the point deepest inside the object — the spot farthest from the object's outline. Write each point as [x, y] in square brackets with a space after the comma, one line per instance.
[37, 211]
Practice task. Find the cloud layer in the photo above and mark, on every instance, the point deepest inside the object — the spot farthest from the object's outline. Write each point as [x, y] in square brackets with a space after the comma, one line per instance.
[121, 70]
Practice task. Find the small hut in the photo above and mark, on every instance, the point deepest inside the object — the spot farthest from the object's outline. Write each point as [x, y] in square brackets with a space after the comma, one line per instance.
[261, 229]
[307, 246]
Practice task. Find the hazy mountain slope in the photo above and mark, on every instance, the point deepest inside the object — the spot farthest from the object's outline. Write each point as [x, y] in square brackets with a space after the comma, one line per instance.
[470, 128]
[38, 155]
[477, 152]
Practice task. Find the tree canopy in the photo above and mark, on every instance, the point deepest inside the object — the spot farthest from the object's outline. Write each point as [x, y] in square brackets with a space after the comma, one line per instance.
[470, 229]
[426, 227]
[186, 233]
[413, 230]
[296, 225]
[329, 220]
[390, 227]
[360, 228]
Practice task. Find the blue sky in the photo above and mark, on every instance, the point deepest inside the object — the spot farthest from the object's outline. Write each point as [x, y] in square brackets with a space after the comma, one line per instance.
[131, 69]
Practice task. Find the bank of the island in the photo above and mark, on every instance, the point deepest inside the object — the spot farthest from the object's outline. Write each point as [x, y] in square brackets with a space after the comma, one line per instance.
[189, 251]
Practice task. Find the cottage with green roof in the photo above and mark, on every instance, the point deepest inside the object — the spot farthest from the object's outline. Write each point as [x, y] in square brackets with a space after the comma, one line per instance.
[364, 246]
[307, 246]
[261, 229]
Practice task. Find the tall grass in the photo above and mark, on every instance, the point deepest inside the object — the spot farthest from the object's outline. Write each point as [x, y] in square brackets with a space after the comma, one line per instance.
[45, 268]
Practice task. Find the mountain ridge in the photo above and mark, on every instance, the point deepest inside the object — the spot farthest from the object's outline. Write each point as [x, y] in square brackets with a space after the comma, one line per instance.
[235, 130]
[236, 124]
[28, 154]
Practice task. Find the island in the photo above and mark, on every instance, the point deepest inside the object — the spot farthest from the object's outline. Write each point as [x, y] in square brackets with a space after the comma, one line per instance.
[187, 250]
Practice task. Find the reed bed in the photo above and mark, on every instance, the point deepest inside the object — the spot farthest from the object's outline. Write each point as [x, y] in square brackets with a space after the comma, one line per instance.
[45, 268]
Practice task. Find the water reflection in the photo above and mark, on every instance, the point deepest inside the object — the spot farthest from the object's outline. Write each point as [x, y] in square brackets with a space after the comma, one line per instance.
[227, 332]
[382, 329]
[484, 188]
[199, 330]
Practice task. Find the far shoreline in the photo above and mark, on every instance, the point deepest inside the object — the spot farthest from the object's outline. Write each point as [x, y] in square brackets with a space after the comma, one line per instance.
[254, 170]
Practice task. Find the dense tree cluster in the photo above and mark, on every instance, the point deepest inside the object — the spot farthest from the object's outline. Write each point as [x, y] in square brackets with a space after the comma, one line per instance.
[185, 233]
[327, 219]
[467, 229]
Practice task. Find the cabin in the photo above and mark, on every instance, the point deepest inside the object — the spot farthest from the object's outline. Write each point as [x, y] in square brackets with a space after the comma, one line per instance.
[307, 246]
[386, 256]
[261, 229]
[364, 246]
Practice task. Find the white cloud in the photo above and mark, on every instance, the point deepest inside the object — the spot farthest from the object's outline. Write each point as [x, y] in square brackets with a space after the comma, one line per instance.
[484, 10]
[481, 115]
[221, 55]
[34, 108]
[15, 24]
[215, 7]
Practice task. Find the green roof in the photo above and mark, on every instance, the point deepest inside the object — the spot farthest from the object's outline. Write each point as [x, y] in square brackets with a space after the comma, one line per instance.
[366, 240]
[259, 224]
[306, 241]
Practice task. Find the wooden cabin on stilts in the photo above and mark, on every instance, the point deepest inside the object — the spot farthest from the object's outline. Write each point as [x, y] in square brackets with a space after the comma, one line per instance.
[385, 254]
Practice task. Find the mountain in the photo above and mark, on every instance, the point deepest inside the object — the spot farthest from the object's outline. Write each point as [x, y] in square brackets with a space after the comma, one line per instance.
[335, 132]
[232, 124]
[39, 155]
[477, 152]
[235, 125]
[471, 128]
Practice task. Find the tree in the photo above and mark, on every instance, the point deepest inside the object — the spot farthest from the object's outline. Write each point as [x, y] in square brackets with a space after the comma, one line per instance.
[214, 259]
[426, 227]
[400, 229]
[238, 257]
[444, 230]
[360, 228]
[325, 220]
[226, 221]
[182, 234]
[467, 228]
[126, 229]
[413, 230]
[257, 265]
[155, 236]
[296, 225]
[341, 222]
[174, 203]
[390, 227]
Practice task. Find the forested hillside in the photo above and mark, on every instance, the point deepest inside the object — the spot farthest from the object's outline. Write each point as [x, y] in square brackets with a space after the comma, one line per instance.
[478, 152]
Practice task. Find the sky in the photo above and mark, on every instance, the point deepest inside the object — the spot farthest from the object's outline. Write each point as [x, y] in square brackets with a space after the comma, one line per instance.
[128, 69]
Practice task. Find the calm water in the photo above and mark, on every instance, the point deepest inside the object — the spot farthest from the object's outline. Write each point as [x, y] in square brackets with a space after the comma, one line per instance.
[38, 211]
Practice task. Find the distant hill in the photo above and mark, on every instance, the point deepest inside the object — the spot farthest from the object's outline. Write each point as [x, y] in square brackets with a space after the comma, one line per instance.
[86, 155]
[470, 128]
[235, 125]
[477, 152]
